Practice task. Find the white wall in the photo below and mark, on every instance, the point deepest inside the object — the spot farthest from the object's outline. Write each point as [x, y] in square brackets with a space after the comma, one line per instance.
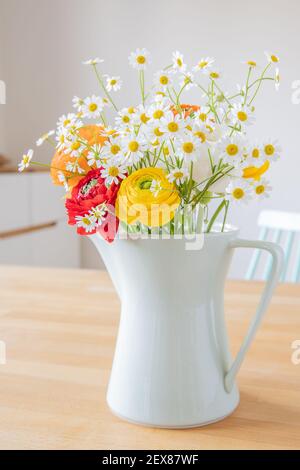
[46, 40]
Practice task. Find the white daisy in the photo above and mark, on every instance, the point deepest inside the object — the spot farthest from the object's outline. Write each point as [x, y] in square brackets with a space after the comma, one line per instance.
[133, 147]
[139, 59]
[93, 61]
[113, 171]
[238, 191]
[232, 150]
[99, 212]
[204, 64]
[112, 148]
[62, 136]
[202, 114]
[271, 150]
[242, 115]
[93, 107]
[162, 80]
[179, 175]
[277, 79]
[155, 187]
[125, 117]
[172, 125]
[215, 75]
[94, 156]
[262, 188]
[272, 58]
[74, 167]
[78, 103]
[113, 83]
[159, 110]
[188, 147]
[178, 63]
[44, 137]
[140, 115]
[67, 121]
[88, 222]
[26, 159]
[153, 133]
[254, 155]
[73, 146]
[187, 80]
[201, 132]
[250, 63]
[62, 178]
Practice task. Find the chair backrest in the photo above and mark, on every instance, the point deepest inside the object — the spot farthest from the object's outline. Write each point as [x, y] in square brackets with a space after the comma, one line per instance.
[284, 228]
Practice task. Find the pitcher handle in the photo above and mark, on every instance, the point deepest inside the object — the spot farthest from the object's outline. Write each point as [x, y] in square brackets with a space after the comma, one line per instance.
[277, 264]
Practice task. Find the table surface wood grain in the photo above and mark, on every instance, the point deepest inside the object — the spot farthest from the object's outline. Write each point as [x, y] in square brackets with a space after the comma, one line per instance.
[60, 328]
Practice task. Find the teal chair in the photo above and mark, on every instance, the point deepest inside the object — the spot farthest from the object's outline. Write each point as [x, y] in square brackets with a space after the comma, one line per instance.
[283, 228]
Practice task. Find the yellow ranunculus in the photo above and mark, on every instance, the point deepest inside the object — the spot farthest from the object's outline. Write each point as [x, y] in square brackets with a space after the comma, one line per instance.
[256, 172]
[137, 203]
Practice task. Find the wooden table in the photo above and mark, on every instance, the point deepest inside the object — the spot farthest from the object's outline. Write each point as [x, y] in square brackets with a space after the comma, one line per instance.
[60, 328]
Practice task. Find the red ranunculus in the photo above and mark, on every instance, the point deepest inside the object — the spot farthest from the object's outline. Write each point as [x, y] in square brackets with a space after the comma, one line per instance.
[89, 193]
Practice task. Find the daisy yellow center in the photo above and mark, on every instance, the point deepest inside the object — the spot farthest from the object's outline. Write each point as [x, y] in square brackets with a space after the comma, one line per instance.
[115, 149]
[113, 171]
[232, 149]
[93, 107]
[173, 126]
[61, 138]
[75, 145]
[238, 193]
[201, 136]
[26, 159]
[157, 132]
[260, 189]
[125, 119]
[188, 147]
[158, 114]
[252, 63]
[179, 62]
[164, 80]
[269, 149]
[178, 174]
[203, 116]
[113, 82]
[144, 118]
[133, 146]
[86, 221]
[255, 153]
[141, 59]
[203, 64]
[214, 75]
[242, 116]
[131, 110]
[66, 122]
[274, 58]
[187, 80]
[166, 151]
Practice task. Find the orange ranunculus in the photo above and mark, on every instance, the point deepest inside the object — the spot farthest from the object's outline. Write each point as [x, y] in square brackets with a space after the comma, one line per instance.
[187, 108]
[90, 133]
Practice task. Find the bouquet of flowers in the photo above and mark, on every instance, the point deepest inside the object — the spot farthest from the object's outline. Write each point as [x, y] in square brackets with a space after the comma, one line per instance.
[160, 165]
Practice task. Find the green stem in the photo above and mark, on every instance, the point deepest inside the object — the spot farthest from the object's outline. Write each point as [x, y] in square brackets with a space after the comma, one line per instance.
[225, 215]
[215, 215]
[259, 84]
[100, 80]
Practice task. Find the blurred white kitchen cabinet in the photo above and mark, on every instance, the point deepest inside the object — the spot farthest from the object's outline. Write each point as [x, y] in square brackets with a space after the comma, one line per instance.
[29, 202]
